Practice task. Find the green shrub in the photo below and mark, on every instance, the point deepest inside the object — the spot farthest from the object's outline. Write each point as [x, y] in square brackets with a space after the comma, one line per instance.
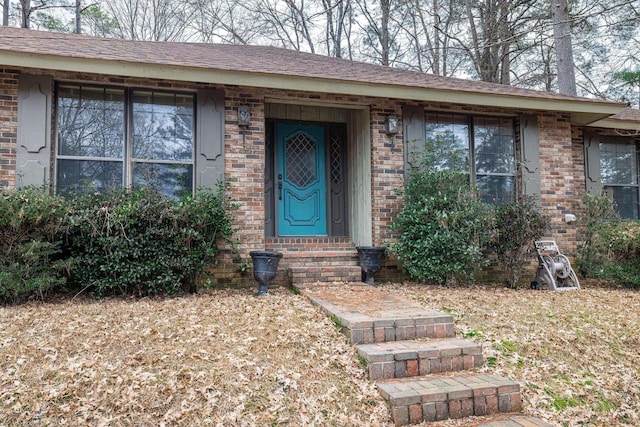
[205, 220]
[442, 226]
[611, 247]
[625, 274]
[30, 239]
[615, 253]
[599, 210]
[518, 225]
[141, 242]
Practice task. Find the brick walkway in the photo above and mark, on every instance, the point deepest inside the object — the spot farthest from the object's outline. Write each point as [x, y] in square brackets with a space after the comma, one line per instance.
[412, 354]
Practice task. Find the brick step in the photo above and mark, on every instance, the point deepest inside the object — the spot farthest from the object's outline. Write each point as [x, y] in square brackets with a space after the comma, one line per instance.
[327, 273]
[399, 359]
[337, 261]
[362, 329]
[339, 255]
[514, 421]
[293, 244]
[367, 314]
[436, 398]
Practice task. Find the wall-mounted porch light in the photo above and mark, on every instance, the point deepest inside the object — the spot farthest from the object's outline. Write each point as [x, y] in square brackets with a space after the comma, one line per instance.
[391, 125]
[244, 119]
[244, 115]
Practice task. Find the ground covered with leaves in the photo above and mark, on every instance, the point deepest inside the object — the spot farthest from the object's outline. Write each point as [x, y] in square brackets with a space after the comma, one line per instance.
[219, 358]
[576, 354]
[226, 358]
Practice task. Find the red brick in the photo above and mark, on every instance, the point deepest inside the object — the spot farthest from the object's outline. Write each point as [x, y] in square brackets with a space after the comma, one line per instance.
[415, 413]
[400, 415]
[479, 406]
[442, 411]
[457, 363]
[468, 362]
[446, 364]
[516, 402]
[467, 407]
[412, 368]
[491, 404]
[455, 409]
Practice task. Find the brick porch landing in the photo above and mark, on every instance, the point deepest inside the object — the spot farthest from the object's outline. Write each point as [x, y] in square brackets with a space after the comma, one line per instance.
[420, 368]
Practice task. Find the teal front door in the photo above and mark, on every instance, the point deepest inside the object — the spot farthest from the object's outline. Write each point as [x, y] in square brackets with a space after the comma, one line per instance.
[301, 180]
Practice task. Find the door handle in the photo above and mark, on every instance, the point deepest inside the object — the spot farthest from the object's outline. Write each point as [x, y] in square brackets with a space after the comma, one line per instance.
[279, 190]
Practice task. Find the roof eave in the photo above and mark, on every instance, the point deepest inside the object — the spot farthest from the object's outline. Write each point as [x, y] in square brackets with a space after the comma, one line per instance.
[582, 112]
[617, 124]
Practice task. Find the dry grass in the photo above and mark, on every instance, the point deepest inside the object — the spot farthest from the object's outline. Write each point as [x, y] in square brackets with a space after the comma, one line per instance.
[226, 358]
[222, 358]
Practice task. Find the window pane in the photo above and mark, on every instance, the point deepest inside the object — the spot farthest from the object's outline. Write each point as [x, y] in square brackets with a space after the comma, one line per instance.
[494, 145]
[172, 180]
[496, 189]
[88, 174]
[447, 142]
[90, 122]
[627, 200]
[162, 126]
[618, 164]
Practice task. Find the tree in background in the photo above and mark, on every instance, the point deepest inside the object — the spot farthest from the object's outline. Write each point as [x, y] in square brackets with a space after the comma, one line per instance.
[491, 38]
[286, 23]
[564, 49]
[429, 28]
[631, 81]
[224, 21]
[605, 40]
[5, 13]
[339, 20]
[154, 20]
[500, 41]
[96, 22]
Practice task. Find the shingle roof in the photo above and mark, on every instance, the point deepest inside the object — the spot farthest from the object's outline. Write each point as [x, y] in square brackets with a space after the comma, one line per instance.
[628, 119]
[248, 59]
[628, 114]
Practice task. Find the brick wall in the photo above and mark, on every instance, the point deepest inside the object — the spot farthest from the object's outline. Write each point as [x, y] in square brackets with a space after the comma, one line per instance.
[8, 127]
[561, 159]
[387, 170]
[244, 166]
[561, 187]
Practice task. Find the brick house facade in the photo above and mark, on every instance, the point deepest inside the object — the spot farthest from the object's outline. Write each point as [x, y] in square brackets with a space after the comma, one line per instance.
[367, 165]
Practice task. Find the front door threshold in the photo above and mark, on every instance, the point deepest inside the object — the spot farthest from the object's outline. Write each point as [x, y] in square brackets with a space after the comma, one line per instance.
[319, 239]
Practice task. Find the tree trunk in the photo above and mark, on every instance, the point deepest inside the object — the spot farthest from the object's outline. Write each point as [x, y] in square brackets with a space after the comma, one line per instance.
[5, 13]
[26, 13]
[78, 16]
[505, 37]
[436, 37]
[385, 6]
[335, 27]
[564, 49]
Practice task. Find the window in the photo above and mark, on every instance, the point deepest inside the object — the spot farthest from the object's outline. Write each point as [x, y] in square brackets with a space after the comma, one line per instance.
[619, 176]
[495, 158]
[111, 137]
[483, 147]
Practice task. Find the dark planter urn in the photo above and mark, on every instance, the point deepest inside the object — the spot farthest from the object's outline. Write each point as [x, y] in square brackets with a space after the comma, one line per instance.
[265, 267]
[370, 261]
